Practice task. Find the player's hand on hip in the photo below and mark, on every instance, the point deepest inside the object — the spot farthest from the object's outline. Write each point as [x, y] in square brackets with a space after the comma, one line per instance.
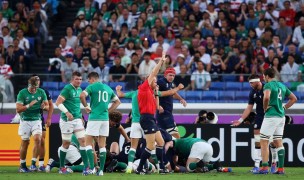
[160, 110]
[69, 116]
[236, 123]
[48, 122]
[180, 86]
[88, 109]
[42, 106]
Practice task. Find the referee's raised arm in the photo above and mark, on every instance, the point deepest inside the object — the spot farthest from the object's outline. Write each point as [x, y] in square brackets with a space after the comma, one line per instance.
[156, 69]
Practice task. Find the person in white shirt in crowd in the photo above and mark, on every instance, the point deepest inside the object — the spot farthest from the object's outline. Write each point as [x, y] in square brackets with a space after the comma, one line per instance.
[85, 68]
[65, 49]
[72, 40]
[7, 38]
[298, 32]
[3, 23]
[67, 68]
[205, 57]
[146, 66]
[180, 60]
[200, 79]
[24, 43]
[102, 70]
[6, 86]
[160, 42]
[273, 15]
[290, 71]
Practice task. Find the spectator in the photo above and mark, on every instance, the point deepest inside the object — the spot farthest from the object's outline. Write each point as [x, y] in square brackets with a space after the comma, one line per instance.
[13, 28]
[297, 33]
[130, 48]
[15, 57]
[284, 32]
[134, 36]
[175, 50]
[180, 60]
[161, 42]
[5, 82]
[125, 60]
[218, 67]
[134, 13]
[6, 11]
[85, 68]
[142, 30]
[260, 29]
[183, 77]
[40, 20]
[72, 40]
[95, 28]
[117, 68]
[231, 60]
[7, 39]
[145, 46]
[67, 68]
[113, 34]
[57, 54]
[276, 65]
[81, 21]
[146, 66]
[78, 56]
[88, 10]
[292, 49]
[3, 22]
[259, 49]
[24, 43]
[93, 57]
[157, 55]
[205, 58]
[113, 21]
[200, 79]
[251, 21]
[290, 71]
[106, 41]
[288, 14]
[2, 48]
[65, 49]
[132, 69]
[112, 52]
[273, 15]
[276, 45]
[125, 18]
[102, 70]
[124, 34]
[86, 46]
[99, 47]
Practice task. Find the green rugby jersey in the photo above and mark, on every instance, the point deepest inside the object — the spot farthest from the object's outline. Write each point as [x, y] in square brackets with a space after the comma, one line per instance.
[277, 95]
[72, 101]
[135, 109]
[100, 95]
[25, 97]
[183, 146]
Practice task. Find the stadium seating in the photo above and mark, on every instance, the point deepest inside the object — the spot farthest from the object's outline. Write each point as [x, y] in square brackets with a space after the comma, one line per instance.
[50, 85]
[217, 86]
[114, 84]
[193, 95]
[246, 86]
[233, 86]
[61, 85]
[229, 78]
[226, 95]
[55, 95]
[241, 96]
[209, 95]
[84, 85]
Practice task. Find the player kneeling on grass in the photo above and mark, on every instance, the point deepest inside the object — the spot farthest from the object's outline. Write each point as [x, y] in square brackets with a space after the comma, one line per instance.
[30, 101]
[73, 160]
[196, 152]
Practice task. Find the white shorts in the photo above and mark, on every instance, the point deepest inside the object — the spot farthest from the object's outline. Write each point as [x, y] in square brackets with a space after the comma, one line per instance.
[98, 128]
[273, 126]
[136, 164]
[202, 151]
[136, 131]
[68, 127]
[72, 155]
[28, 128]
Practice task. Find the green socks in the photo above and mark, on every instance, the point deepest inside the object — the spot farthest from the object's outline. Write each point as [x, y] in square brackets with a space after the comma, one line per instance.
[90, 155]
[84, 156]
[77, 168]
[102, 157]
[62, 155]
[281, 155]
[131, 155]
[192, 166]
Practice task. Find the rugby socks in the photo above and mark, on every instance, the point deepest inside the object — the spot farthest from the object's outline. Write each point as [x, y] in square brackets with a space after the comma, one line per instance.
[210, 167]
[154, 157]
[131, 156]
[90, 155]
[62, 155]
[102, 157]
[23, 163]
[281, 155]
[77, 168]
[121, 166]
[34, 161]
[143, 159]
[192, 166]
[84, 156]
[41, 162]
[257, 156]
[273, 154]
[159, 154]
[265, 165]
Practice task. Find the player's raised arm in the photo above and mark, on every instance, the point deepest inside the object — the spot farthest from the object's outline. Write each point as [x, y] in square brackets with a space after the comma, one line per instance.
[119, 93]
[157, 68]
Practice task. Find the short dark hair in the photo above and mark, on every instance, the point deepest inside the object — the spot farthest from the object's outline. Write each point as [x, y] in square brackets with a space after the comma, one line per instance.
[93, 75]
[269, 72]
[76, 73]
[33, 81]
[115, 116]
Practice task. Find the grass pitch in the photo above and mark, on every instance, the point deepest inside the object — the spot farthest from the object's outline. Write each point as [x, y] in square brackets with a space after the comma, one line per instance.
[11, 173]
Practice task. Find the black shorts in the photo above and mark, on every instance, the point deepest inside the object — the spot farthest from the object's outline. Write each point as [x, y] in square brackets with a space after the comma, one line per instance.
[165, 121]
[148, 123]
[43, 124]
[258, 122]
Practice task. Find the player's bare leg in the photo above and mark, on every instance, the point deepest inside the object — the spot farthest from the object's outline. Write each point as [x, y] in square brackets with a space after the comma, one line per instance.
[265, 155]
[176, 135]
[23, 151]
[281, 155]
[36, 149]
[82, 149]
[131, 154]
[42, 152]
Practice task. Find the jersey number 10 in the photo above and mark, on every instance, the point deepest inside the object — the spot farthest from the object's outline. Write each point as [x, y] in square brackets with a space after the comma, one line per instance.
[104, 96]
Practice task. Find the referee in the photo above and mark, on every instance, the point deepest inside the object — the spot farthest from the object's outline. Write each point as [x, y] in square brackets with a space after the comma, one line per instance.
[148, 102]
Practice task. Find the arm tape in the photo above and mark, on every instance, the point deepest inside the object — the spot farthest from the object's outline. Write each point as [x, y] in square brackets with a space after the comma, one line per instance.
[62, 108]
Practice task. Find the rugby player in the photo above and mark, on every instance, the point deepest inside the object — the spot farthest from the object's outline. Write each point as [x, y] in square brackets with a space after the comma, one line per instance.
[68, 102]
[274, 119]
[98, 124]
[30, 101]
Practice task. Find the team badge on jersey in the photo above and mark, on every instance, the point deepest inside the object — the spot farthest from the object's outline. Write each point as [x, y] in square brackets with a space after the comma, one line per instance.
[39, 98]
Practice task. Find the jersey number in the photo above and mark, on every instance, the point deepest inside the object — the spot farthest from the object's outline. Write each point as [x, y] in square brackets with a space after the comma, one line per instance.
[280, 94]
[104, 96]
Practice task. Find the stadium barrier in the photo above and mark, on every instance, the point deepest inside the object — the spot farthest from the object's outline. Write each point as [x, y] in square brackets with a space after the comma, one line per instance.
[232, 145]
